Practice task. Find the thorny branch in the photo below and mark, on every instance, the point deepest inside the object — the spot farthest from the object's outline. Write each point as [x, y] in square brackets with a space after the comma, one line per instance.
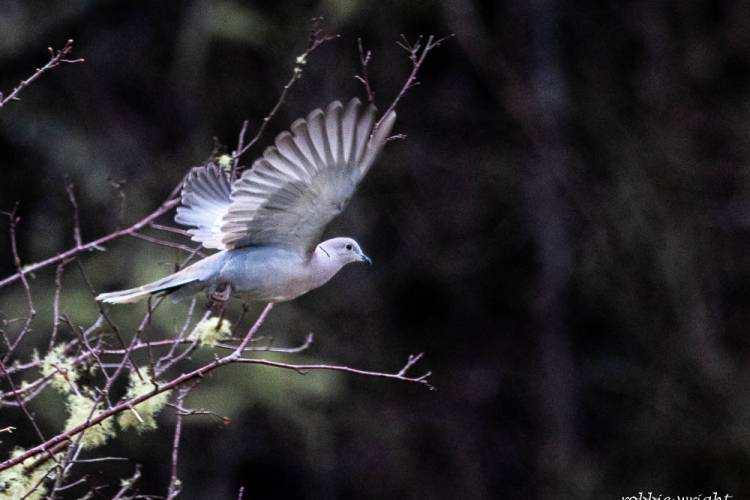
[57, 57]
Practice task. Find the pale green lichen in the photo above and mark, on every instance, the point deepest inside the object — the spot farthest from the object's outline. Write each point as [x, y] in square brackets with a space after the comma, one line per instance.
[143, 416]
[60, 368]
[225, 162]
[210, 332]
[80, 409]
[22, 481]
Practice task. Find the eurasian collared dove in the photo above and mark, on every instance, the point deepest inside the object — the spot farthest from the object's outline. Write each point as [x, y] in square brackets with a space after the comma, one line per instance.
[268, 222]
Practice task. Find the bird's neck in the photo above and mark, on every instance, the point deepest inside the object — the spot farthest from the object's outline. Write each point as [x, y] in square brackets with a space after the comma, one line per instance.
[323, 266]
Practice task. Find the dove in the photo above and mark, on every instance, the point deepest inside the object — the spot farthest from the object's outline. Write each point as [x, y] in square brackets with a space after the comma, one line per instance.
[266, 225]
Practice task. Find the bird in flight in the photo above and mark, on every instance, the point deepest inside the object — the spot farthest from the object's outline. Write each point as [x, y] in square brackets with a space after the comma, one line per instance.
[267, 224]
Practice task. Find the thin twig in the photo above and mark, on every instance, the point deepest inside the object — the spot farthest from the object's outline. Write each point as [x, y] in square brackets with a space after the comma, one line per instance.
[269, 348]
[56, 305]
[101, 459]
[26, 287]
[364, 78]
[168, 361]
[175, 485]
[199, 412]
[178, 339]
[74, 483]
[98, 351]
[106, 317]
[92, 245]
[25, 410]
[303, 369]
[117, 186]
[127, 485]
[198, 373]
[417, 56]
[316, 38]
[76, 219]
[56, 58]
[170, 244]
[170, 229]
[253, 330]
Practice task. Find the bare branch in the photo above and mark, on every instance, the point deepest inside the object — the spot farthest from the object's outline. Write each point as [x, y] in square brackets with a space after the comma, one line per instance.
[168, 361]
[56, 304]
[170, 229]
[57, 57]
[170, 244]
[417, 55]
[303, 369]
[127, 485]
[233, 357]
[174, 483]
[269, 348]
[26, 287]
[364, 78]
[92, 245]
[118, 187]
[76, 219]
[26, 412]
[396, 137]
[253, 330]
[316, 38]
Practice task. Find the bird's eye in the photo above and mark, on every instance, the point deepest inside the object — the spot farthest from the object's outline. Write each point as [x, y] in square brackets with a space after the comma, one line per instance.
[348, 246]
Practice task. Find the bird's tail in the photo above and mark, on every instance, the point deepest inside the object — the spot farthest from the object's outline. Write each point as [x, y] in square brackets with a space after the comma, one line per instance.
[165, 285]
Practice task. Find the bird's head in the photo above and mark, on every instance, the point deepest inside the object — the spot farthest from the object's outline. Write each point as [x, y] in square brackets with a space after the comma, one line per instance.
[343, 251]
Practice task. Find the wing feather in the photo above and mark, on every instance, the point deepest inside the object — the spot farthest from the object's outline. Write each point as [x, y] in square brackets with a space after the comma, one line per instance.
[317, 137]
[299, 185]
[349, 132]
[333, 128]
[205, 199]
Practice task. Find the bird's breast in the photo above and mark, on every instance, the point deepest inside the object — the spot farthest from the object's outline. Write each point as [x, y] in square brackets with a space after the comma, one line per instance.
[268, 274]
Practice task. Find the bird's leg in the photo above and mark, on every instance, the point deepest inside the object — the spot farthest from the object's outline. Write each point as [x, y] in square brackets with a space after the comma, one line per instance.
[219, 299]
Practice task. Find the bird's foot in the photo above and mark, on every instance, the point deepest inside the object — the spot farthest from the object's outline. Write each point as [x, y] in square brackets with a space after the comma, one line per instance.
[219, 299]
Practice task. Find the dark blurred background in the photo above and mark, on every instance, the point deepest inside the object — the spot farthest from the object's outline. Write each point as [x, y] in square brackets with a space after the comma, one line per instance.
[563, 233]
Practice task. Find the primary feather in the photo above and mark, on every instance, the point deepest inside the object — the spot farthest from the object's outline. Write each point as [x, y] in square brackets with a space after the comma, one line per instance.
[205, 200]
[294, 190]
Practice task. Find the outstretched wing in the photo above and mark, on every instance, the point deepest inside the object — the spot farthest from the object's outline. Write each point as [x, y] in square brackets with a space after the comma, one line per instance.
[305, 180]
[205, 200]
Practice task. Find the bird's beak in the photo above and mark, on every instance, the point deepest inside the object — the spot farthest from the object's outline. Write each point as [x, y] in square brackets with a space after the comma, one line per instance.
[365, 258]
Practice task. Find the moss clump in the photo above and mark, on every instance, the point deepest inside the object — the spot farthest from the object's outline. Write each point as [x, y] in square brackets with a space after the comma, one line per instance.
[210, 332]
[21, 481]
[81, 408]
[61, 368]
[143, 416]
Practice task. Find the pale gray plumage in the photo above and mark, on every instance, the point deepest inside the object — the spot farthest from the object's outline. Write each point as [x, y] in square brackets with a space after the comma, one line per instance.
[268, 222]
